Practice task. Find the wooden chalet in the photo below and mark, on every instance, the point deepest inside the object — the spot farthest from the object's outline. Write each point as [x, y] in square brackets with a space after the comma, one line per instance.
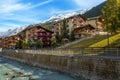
[10, 42]
[72, 22]
[96, 22]
[84, 31]
[35, 33]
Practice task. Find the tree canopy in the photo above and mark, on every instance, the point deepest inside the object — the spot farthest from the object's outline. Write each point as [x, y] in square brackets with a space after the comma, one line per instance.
[111, 15]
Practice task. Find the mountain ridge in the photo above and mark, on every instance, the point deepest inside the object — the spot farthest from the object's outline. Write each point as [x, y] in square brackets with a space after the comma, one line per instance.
[11, 32]
[62, 16]
[95, 11]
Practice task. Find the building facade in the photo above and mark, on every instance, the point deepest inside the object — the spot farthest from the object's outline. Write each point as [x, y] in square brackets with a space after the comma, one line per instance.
[72, 23]
[31, 34]
[81, 26]
[34, 33]
[96, 22]
[10, 42]
[0, 42]
[84, 31]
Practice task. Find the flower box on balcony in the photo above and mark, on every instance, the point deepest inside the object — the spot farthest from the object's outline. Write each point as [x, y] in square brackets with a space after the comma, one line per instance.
[30, 35]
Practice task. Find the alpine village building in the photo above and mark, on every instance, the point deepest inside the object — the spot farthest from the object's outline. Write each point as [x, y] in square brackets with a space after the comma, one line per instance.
[11, 41]
[31, 33]
[72, 23]
[80, 26]
[36, 33]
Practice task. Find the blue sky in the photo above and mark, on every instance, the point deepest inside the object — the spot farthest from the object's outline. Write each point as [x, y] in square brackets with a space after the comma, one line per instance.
[18, 13]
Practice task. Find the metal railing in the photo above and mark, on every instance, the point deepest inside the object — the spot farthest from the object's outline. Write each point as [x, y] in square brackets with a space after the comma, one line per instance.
[96, 51]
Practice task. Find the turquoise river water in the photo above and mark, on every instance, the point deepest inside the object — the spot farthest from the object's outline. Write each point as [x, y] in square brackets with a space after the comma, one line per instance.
[12, 70]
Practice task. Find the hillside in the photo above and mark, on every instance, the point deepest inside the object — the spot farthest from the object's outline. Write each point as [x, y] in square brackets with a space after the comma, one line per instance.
[95, 11]
[104, 43]
[88, 42]
[99, 41]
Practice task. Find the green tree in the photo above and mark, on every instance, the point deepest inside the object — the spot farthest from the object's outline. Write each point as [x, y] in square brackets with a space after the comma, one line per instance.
[28, 44]
[64, 29]
[19, 45]
[111, 13]
[24, 44]
[72, 36]
[31, 43]
[58, 38]
[53, 39]
[39, 43]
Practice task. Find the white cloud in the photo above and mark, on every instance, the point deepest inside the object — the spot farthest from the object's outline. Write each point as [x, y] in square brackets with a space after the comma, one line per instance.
[40, 4]
[7, 6]
[18, 11]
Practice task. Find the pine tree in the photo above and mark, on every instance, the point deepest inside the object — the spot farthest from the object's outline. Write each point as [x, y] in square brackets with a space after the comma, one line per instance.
[53, 39]
[64, 29]
[72, 35]
[58, 38]
[111, 14]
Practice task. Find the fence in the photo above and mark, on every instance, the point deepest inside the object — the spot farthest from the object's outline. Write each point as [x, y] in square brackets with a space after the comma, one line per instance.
[108, 52]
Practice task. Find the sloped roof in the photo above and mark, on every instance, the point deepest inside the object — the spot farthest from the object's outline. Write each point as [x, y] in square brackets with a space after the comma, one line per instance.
[33, 26]
[84, 27]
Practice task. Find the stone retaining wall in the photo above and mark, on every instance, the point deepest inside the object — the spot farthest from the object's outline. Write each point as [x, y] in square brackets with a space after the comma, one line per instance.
[91, 68]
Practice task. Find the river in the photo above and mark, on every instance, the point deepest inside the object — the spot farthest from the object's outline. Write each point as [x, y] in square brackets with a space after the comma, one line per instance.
[12, 70]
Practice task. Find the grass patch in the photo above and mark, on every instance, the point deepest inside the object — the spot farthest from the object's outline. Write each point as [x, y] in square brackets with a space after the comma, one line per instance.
[88, 42]
[116, 43]
[104, 42]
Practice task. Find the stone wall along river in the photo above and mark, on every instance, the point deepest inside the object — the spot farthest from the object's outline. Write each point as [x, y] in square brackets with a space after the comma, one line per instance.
[91, 68]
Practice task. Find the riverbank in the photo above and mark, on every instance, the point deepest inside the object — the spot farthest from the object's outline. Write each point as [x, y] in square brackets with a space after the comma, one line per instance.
[91, 68]
[14, 70]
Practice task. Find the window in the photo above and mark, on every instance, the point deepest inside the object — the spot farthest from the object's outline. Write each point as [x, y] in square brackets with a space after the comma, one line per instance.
[35, 38]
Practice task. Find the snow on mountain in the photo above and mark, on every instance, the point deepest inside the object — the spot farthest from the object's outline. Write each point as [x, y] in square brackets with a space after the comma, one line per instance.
[59, 17]
[62, 16]
[1, 33]
[11, 32]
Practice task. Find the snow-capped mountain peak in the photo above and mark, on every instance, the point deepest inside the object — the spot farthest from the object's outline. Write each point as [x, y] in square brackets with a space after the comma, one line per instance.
[56, 18]
[11, 32]
[62, 16]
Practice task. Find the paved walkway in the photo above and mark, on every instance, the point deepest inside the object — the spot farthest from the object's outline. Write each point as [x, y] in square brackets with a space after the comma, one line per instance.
[74, 42]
